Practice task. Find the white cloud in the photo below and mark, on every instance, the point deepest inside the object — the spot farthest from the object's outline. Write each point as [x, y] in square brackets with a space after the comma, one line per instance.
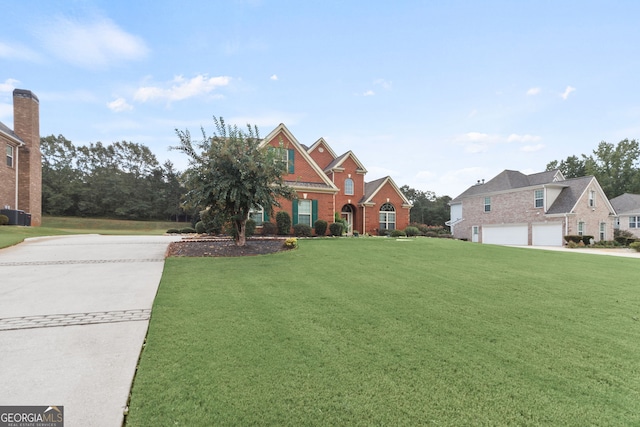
[533, 91]
[91, 44]
[369, 93]
[181, 88]
[514, 137]
[382, 82]
[532, 148]
[9, 85]
[17, 51]
[567, 91]
[119, 105]
[274, 77]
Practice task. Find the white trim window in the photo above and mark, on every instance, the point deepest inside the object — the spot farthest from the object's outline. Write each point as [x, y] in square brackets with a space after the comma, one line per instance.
[10, 155]
[580, 228]
[348, 187]
[603, 231]
[592, 199]
[304, 212]
[634, 222]
[538, 198]
[387, 217]
[487, 204]
[257, 215]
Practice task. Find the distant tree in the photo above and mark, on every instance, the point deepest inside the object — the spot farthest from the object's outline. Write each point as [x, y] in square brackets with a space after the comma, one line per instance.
[61, 181]
[230, 173]
[427, 207]
[616, 167]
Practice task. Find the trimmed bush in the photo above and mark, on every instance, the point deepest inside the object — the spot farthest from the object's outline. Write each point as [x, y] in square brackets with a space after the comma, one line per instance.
[302, 230]
[635, 246]
[291, 243]
[573, 238]
[623, 237]
[321, 227]
[212, 224]
[398, 233]
[173, 231]
[587, 240]
[283, 221]
[187, 230]
[4, 220]
[200, 227]
[269, 229]
[411, 231]
[335, 229]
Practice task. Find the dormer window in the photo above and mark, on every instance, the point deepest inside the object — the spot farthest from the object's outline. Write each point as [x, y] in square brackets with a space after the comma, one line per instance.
[539, 198]
[348, 187]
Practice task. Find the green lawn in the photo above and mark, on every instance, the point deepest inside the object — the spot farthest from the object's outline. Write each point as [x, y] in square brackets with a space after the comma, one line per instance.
[385, 332]
[53, 226]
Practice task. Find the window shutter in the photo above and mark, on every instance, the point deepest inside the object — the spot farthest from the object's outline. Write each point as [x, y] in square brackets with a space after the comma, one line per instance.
[294, 212]
[265, 216]
[314, 212]
[291, 157]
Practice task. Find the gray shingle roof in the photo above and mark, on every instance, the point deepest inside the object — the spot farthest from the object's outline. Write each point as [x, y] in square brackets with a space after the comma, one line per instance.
[6, 130]
[570, 194]
[626, 203]
[508, 180]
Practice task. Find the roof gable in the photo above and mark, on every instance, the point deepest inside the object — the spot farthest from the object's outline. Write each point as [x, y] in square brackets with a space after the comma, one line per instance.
[4, 129]
[573, 191]
[372, 188]
[322, 144]
[315, 178]
[337, 163]
[510, 180]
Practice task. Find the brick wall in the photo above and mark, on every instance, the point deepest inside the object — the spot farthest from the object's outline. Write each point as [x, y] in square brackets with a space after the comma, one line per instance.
[372, 218]
[7, 176]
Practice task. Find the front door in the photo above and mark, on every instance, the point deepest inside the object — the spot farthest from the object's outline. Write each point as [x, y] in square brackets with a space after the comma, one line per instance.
[347, 215]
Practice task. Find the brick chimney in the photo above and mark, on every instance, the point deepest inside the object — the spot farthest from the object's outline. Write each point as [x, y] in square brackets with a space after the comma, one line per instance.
[26, 124]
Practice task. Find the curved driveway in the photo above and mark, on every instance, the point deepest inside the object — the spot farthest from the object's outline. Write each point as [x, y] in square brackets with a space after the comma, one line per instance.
[74, 313]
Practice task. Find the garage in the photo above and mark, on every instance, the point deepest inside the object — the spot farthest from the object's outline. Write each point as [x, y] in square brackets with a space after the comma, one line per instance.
[548, 234]
[506, 234]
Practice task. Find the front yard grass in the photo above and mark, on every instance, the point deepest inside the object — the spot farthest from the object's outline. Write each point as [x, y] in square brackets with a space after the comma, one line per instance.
[385, 332]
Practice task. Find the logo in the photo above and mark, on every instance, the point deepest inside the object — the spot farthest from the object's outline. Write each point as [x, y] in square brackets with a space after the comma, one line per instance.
[31, 416]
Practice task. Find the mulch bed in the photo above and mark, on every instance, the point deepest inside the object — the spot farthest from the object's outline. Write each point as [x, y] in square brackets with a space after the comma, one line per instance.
[224, 247]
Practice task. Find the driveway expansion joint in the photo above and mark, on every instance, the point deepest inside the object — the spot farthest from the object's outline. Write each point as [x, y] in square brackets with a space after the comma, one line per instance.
[57, 320]
[86, 261]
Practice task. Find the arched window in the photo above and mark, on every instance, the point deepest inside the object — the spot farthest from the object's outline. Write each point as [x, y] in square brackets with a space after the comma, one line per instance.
[387, 217]
[348, 187]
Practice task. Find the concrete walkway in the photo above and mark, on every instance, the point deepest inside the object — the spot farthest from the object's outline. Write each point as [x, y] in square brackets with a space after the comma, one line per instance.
[623, 252]
[74, 312]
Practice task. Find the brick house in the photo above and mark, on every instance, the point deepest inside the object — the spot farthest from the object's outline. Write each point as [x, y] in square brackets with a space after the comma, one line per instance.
[21, 173]
[326, 183]
[537, 209]
[627, 207]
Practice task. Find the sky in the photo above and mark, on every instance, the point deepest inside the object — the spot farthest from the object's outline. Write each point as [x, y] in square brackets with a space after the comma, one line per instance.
[436, 94]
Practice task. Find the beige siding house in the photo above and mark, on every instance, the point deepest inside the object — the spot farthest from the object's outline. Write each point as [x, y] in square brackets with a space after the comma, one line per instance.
[627, 207]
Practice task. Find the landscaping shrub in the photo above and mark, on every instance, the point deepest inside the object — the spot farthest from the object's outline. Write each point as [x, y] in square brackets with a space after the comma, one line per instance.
[302, 230]
[283, 221]
[200, 227]
[335, 229]
[411, 231]
[173, 231]
[4, 220]
[398, 233]
[249, 229]
[268, 229]
[212, 224]
[340, 220]
[431, 234]
[623, 237]
[573, 238]
[291, 243]
[320, 227]
[187, 230]
[587, 240]
[635, 246]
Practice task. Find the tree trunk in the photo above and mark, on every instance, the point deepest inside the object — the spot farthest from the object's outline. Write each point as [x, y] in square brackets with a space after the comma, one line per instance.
[240, 235]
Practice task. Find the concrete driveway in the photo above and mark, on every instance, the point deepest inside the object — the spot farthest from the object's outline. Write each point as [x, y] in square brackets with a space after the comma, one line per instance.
[74, 312]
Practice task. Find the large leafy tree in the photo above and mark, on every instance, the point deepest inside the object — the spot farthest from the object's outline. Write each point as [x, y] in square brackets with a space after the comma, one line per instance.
[615, 166]
[427, 207]
[230, 174]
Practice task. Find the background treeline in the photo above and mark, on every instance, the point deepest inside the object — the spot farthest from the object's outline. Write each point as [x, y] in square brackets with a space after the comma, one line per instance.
[119, 180]
[428, 208]
[616, 167]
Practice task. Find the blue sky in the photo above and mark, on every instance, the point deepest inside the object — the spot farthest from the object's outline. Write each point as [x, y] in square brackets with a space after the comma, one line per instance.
[437, 94]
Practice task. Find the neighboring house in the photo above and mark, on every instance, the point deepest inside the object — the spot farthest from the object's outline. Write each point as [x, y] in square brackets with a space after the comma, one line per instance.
[627, 207]
[537, 209]
[326, 183]
[21, 173]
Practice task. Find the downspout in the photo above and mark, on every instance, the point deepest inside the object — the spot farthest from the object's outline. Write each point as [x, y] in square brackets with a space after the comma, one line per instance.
[17, 163]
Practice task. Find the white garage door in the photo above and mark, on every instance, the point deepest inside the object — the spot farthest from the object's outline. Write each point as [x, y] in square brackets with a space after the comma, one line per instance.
[547, 234]
[505, 234]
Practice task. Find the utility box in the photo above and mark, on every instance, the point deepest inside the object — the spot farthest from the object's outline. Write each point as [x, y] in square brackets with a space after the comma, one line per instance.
[14, 216]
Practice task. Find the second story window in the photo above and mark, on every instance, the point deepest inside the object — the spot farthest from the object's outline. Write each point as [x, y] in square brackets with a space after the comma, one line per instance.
[487, 204]
[9, 156]
[592, 199]
[539, 198]
[348, 187]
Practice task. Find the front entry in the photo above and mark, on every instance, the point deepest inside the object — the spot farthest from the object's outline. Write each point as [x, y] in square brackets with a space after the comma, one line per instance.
[347, 214]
